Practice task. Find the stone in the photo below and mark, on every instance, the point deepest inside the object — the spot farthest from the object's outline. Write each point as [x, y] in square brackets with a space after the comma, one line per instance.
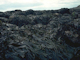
[40, 35]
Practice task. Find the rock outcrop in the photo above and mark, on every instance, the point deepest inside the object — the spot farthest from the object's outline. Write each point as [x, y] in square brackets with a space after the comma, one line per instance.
[40, 35]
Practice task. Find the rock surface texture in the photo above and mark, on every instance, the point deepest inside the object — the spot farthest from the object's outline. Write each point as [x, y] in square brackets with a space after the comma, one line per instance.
[40, 35]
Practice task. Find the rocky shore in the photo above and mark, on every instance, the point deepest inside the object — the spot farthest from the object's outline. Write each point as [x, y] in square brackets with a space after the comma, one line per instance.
[40, 35]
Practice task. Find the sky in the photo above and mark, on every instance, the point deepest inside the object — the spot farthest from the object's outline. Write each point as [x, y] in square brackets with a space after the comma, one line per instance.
[8, 5]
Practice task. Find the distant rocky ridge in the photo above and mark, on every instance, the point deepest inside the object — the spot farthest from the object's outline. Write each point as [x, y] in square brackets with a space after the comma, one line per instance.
[40, 35]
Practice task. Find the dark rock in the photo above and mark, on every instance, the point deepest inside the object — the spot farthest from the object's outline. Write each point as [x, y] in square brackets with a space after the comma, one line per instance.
[5, 15]
[77, 56]
[38, 12]
[0, 22]
[12, 58]
[64, 10]
[42, 19]
[2, 14]
[40, 35]
[18, 10]
[78, 15]
[74, 15]
[29, 12]
[15, 44]
[3, 19]
[28, 56]
[18, 20]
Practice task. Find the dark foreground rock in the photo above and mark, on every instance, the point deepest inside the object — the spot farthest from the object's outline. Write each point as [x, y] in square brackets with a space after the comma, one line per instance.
[40, 35]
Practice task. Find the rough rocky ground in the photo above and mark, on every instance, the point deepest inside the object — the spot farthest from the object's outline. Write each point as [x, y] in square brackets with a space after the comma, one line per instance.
[40, 35]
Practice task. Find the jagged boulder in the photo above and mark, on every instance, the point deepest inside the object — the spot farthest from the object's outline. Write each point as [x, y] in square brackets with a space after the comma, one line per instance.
[18, 20]
[2, 14]
[3, 19]
[39, 35]
[29, 12]
[42, 19]
[64, 11]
